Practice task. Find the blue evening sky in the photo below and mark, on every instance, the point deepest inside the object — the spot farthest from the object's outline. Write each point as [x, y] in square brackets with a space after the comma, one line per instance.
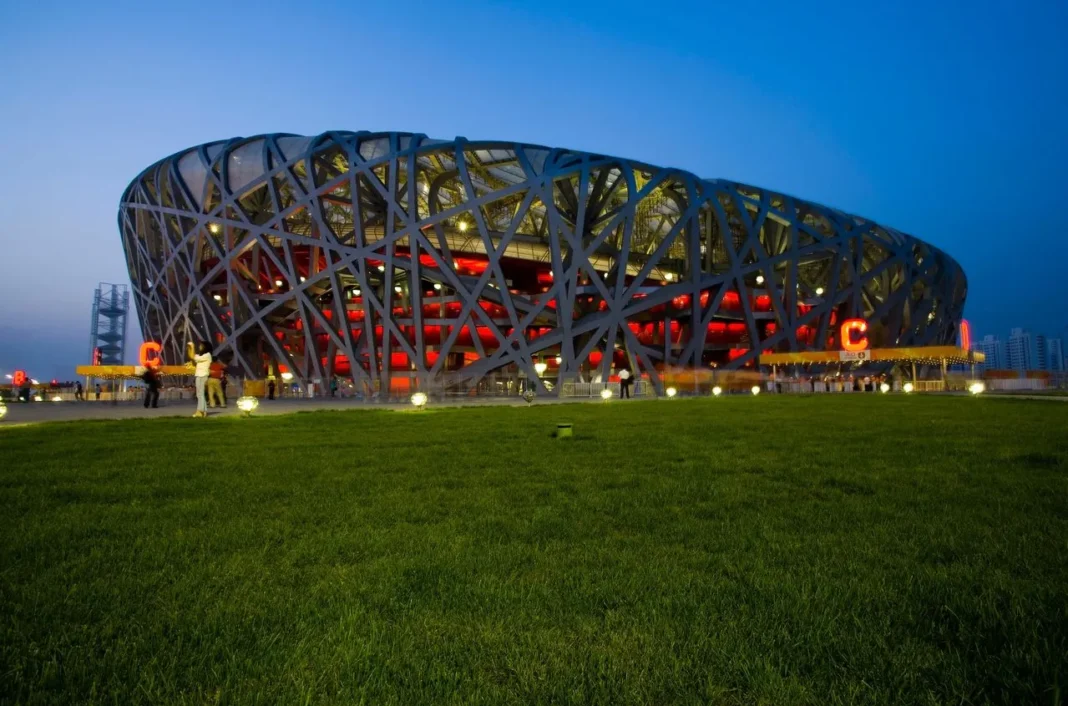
[948, 120]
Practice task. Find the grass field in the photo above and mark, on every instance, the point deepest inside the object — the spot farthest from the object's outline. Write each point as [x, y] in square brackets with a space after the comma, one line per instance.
[781, 550]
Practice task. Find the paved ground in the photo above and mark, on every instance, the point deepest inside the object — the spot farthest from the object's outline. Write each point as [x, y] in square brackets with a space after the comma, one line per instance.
[18, 414]
[70, 411]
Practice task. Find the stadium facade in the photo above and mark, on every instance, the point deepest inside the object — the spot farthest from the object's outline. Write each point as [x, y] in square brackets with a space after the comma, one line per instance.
[407, 262]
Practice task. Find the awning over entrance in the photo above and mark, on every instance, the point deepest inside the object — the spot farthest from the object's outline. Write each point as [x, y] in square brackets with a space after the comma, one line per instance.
[926, 355]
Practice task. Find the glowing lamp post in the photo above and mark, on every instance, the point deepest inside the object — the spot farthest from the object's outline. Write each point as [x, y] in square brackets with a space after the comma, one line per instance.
[247, 404]
[418, 400]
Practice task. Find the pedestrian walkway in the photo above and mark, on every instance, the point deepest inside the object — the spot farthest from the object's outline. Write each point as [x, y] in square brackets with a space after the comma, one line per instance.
[77, 411]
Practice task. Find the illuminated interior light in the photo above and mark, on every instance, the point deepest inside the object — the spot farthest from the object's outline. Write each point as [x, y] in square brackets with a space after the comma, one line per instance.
[437, 286]
[213, 227]
[540, 367]
[287, 376]
[819, 291]
[278, 283]
[463, 226]
[760, 279]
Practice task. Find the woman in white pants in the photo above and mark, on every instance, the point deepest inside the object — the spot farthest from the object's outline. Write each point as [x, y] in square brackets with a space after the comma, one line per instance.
[201, 356]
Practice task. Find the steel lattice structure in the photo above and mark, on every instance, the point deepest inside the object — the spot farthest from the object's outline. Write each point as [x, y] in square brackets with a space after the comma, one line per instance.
[455, 259]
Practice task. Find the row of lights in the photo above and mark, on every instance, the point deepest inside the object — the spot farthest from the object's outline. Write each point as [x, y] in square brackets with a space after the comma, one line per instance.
[248, 404]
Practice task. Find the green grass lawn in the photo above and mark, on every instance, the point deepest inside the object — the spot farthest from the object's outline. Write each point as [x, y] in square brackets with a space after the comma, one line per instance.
[782, 550]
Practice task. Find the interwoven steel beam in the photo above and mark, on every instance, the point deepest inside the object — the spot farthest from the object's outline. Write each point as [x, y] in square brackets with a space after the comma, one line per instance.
[405, 261]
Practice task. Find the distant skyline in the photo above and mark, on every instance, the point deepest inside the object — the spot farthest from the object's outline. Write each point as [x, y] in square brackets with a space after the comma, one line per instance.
[945, 122]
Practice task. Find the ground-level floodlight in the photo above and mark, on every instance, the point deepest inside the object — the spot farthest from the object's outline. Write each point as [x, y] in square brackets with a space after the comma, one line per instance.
[3, 409]
[717, 391]
[247, 404]
[57, 398]
[908, 387]
[419, 400]
[38, 398]
[606, 394]
[884, 388]
[755, 389]
[976, 388]
[671, 392]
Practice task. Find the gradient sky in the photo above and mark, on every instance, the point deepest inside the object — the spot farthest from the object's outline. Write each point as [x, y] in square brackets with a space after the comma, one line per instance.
[947, 120]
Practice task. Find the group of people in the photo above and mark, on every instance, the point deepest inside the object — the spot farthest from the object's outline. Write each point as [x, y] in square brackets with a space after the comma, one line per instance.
[209, 376]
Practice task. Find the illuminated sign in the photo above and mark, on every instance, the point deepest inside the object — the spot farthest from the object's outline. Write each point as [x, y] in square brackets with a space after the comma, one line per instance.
[856, 356]
[149, 356]
[853, 335]
[965, 335]
[19, 378]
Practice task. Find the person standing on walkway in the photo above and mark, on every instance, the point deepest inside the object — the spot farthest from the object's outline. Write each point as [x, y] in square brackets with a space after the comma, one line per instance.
[214, 384]
[270, 388]
[624, 383]
[201, 358]
[152, 384]
[98, 392]
[79, 392]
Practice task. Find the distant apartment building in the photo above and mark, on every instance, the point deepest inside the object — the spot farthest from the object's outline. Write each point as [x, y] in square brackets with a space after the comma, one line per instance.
[1050, 353]
[1020, 350]
[994, 351]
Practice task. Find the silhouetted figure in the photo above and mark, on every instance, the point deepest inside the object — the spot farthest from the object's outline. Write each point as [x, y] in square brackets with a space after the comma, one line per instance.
[624, 383]
[79, 392]
[270, 389]
[152, 385]
[98, 392]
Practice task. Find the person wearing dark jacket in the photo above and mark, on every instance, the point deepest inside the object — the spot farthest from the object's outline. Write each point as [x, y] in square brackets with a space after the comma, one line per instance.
[152, 385]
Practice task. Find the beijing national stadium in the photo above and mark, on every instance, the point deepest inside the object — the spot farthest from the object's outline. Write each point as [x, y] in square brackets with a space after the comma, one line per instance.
[405, 262]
